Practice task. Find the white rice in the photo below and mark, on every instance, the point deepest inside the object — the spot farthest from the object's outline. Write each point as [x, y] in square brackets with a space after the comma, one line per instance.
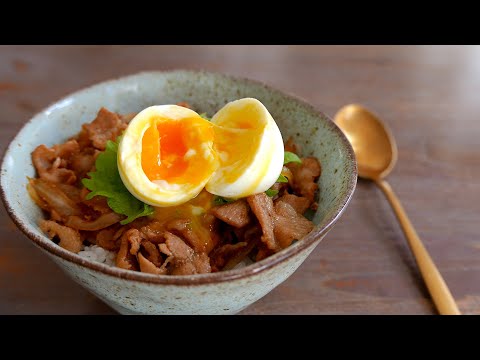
[99, 254]
[243, 263]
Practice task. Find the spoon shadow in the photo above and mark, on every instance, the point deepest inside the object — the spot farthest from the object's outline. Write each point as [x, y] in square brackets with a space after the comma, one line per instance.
[378, 214]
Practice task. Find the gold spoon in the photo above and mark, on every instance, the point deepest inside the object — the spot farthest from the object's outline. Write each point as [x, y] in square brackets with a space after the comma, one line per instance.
[376, 153]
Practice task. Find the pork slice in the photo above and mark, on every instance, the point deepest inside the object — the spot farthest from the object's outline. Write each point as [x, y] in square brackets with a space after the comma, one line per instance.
[83, 162]
[289, 224]
[118, 234]
[97, 203]
[152, 253]
[184, 228]
[291, 146]
[83, 139]
[106, 238]
[202, 263]
[184, 104]
[147, 266]
[73, 192]
[51, 163]
[154, 232]
[183, 268]
[185, 261]
[210, 222]
[235, 213]
[178, 248]
[135, 239]
[220, 256]
[280, 223]
[125, 259]
[227, 256]
[69, 238]
[55, 199]
[103, 221]
[67, 150]
[59, 175]
[164, 249]
[262, 206]
[106, 126]
[299, 203]
[263, 252]
[305, 176]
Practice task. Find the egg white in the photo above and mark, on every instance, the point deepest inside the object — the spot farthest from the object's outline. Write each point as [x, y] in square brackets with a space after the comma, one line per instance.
[267, 163]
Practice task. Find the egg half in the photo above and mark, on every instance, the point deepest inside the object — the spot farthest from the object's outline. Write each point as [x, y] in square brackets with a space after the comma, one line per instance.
[169, 153]
[166, 155]
[249, 147]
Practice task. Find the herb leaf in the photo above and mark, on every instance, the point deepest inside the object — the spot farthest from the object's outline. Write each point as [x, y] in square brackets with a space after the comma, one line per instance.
[204, 115]
[106, 181]
[218, 200]
[289, 157]
[282, 179]
[271, 192]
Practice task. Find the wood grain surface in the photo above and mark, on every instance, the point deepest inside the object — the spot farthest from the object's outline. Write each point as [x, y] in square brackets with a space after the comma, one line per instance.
[428, 95]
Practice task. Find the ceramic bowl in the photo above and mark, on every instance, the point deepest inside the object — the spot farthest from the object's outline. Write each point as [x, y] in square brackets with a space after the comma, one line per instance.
[226, 292]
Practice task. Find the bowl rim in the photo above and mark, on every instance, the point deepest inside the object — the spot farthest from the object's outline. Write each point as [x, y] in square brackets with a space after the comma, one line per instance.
[198, 279]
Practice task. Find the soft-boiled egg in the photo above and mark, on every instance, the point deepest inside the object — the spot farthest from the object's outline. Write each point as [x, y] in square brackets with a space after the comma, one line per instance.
[166, 155]
[250, 149]
[169, 153]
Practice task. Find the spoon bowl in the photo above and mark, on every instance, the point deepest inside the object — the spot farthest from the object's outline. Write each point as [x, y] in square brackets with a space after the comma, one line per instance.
[372, 141]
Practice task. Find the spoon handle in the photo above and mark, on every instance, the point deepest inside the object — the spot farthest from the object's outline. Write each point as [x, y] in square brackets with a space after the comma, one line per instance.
[439, 291]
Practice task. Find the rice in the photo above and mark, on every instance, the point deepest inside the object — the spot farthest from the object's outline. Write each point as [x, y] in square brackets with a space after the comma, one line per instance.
[245, 262]
[98, 254]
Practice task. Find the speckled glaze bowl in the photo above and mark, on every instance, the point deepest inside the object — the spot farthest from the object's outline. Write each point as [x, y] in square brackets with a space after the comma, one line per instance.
[225, 292]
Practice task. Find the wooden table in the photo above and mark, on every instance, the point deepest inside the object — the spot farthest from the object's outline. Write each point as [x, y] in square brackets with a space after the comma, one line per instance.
[430, 97]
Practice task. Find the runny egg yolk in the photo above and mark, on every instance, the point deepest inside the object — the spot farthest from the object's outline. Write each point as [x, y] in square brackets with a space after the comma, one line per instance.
[168, 151]
[163, 155]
